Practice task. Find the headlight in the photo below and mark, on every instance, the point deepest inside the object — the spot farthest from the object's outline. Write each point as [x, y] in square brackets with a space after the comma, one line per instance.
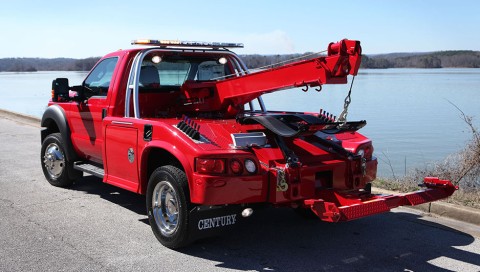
[361, 153]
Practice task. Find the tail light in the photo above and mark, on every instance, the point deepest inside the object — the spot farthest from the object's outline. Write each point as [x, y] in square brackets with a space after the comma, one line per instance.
[233, 166]
[210, 166]
[365, 151]
[236, 166]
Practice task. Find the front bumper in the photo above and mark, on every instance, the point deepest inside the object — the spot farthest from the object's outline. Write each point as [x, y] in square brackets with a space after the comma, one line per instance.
[336, 206]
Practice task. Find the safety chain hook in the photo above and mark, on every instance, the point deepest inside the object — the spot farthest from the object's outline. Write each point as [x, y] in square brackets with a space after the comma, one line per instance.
[343, 116]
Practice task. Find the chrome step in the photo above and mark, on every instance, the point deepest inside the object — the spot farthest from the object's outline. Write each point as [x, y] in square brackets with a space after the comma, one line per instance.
[89, 168]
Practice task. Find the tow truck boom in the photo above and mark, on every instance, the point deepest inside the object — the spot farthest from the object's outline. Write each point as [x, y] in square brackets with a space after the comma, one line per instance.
[343, 59]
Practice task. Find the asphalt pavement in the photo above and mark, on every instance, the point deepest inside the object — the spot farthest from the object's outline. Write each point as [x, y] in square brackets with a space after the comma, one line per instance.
[97, 227]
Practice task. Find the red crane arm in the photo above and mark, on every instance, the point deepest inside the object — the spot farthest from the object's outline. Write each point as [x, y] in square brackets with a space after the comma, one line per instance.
[343, 58]
[229, 95]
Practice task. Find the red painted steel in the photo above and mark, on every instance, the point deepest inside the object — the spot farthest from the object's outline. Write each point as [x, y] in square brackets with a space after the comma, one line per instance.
[349, 207]
[329, 183]
[343, 59]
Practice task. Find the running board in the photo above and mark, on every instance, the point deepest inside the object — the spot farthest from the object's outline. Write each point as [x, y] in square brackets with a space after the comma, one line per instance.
[89, 168]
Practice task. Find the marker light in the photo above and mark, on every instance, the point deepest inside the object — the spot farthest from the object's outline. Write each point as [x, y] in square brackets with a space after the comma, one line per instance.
[156, 59]
[222, 60]
[141, 41]
[250, 166]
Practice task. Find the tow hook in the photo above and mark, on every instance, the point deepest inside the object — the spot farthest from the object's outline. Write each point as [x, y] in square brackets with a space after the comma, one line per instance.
[282, 184]
[364, 166]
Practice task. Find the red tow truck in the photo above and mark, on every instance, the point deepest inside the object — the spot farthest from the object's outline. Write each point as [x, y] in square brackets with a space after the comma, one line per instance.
[184, 123]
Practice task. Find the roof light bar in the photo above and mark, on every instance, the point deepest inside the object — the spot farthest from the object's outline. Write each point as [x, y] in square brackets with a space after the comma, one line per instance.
[177, 43]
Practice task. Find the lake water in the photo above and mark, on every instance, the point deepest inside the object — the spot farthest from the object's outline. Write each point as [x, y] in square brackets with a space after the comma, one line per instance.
[409, 116]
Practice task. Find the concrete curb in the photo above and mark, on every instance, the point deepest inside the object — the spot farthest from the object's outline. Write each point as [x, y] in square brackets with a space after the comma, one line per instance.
[465, 214]
[20, 117]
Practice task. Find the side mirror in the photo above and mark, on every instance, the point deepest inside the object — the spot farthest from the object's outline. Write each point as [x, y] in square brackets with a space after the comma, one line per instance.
[60, 89]
[80, 90]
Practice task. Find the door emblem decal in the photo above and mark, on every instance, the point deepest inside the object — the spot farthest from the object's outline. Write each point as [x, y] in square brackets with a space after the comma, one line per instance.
[131, 155]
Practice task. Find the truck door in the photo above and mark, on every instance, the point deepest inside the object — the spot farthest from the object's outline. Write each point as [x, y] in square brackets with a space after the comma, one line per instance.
[86, 120]
[122, 162]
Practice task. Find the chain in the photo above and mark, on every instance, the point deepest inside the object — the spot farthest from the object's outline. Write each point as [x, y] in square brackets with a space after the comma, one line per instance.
[270, 66]
[343, 116]
[303, 57]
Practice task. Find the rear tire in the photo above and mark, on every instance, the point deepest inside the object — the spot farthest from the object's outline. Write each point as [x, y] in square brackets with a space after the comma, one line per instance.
[168, 206]
[55, 165]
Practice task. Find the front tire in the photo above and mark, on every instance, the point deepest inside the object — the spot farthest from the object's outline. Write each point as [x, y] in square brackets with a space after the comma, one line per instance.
[168, 206]
[55, 165]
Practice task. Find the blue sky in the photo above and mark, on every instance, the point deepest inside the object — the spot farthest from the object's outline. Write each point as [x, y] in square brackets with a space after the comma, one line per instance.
[87, 28]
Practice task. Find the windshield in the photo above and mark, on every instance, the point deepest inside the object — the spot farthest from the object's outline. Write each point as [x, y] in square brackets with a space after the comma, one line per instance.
[160, 69]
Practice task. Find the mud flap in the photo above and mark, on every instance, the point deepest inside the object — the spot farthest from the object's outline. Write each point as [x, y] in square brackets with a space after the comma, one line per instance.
[207, 221]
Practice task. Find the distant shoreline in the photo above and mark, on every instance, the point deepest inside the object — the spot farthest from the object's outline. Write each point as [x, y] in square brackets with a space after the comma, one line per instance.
[253, 69]
[442, 59]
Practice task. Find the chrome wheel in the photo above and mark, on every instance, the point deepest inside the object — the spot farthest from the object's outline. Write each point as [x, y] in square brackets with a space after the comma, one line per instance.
[165, 208]
[56, 167]
[54, 160]
[168, 206]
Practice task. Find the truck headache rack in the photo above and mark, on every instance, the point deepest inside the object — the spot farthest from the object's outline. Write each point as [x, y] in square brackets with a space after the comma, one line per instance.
[335, 206]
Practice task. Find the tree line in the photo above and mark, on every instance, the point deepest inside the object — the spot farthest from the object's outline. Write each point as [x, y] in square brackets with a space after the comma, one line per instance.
[43, 64]
[442, 59]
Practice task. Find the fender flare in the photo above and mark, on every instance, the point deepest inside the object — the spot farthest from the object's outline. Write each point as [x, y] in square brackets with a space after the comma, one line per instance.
[56, 114]
[174, 152]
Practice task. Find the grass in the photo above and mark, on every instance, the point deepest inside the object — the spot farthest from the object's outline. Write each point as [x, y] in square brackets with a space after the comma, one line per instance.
[462, 169]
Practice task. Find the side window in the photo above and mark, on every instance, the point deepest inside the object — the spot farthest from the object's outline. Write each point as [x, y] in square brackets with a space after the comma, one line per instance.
[98, 82]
